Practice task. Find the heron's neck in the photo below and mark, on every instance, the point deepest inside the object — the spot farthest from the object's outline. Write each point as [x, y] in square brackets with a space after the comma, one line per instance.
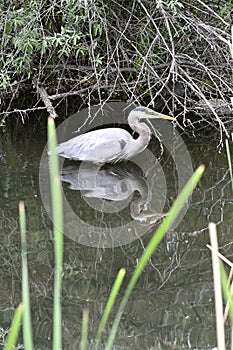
[144, 133]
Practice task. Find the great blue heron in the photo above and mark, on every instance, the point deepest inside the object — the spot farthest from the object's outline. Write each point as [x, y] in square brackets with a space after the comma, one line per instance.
[112, 144]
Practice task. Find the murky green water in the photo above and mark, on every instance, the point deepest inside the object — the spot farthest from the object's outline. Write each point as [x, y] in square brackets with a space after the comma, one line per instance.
[172, 305]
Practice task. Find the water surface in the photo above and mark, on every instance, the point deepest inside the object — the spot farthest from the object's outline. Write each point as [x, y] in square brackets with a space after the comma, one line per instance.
[172, 305]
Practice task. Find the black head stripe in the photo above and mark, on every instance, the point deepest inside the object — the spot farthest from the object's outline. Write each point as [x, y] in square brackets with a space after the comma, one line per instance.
[141, 109]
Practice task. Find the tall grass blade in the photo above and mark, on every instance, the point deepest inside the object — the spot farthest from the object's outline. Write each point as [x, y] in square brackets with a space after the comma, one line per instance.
[230, 282]
[57, 209]
[110, 302]
[83, 344]
[222, 257]
[14, 331]
[227, 293]
[228, 296]
[27, 324]
[154, 242]
[229, 161]
[217, 288]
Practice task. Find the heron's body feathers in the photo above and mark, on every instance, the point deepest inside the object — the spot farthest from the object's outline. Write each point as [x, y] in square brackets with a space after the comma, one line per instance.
[98, 146]
[112, 144]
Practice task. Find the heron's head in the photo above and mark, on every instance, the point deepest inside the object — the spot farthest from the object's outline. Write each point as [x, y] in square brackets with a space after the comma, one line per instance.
[145, 112]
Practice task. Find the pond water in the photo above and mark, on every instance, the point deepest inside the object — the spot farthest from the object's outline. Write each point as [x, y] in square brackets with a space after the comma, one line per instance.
[172, 305]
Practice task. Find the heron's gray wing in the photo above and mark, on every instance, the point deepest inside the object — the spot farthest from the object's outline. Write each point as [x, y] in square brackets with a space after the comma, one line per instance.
[96, 146]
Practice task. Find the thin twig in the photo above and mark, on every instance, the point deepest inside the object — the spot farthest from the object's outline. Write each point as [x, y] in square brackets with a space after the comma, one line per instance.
[227, 261]
[45, 98]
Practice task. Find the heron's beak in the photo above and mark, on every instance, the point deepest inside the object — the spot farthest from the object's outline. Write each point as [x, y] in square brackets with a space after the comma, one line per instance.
[151, 218]
[157, 115]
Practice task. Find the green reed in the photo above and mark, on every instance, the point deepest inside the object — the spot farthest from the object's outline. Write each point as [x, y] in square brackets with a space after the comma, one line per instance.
[57, 210]
[24, 308]
[27, 324]
[153, 244]
[109, 305]
[222, 285]
[14, 331]
[227, 293]
[84, 333]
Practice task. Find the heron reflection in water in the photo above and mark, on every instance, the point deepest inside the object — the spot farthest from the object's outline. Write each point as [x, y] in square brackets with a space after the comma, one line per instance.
[113, 183]
[111, 145]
